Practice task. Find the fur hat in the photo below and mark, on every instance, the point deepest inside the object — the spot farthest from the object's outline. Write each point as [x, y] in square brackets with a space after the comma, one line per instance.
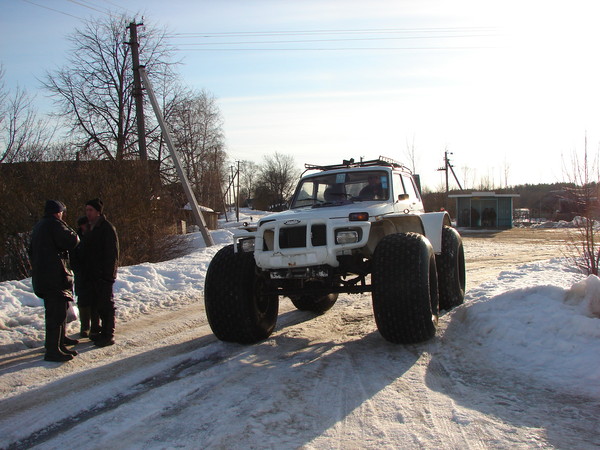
[97, 204]
[54, 206]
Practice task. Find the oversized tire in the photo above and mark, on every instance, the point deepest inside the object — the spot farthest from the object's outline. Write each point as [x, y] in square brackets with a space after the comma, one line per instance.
[236, 307]
[405, 292]
[451, 269]
[315, 303]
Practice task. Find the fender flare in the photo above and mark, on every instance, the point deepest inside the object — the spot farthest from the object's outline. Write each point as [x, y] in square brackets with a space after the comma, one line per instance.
[433, 224]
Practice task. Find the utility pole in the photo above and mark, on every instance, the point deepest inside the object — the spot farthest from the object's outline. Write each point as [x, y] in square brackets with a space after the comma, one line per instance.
[449, 168]
[208, 240]
[237, 202]
[137, 89]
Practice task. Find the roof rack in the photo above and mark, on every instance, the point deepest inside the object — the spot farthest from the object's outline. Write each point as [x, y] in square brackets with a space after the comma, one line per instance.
[347, 163]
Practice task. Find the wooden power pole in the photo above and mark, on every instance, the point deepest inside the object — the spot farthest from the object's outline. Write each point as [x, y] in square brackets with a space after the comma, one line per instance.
[137, 89]
[208, 240]
[449, 168]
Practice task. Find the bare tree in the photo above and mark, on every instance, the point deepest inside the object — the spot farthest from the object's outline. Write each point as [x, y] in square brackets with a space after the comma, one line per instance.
[197, 128]
[277, 179]
[24, 136]
[506, 170]
[94, 91]
[468, 177]
[411, 155]
[249, 176]
[486, 182]
[585, 243]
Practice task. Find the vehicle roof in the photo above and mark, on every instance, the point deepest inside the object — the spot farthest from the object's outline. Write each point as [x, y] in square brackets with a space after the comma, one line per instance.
[353, 169]
[382, 163]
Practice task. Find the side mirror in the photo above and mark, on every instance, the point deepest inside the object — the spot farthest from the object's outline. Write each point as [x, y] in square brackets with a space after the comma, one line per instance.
[402, 197]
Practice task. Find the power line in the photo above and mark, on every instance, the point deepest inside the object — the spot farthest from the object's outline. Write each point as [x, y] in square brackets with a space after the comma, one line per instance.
[116, 5]
[52, 9]
[304, 41]
[314, 32]
[329, 49]
[85, 5]
[202, 41]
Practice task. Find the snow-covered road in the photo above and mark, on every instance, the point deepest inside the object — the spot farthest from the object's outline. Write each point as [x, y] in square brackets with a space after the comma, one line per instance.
[515, 367]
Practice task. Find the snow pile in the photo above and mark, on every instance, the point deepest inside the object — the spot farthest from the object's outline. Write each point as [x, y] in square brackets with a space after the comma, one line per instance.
[577, 222]
[586, 294]
[539, 321]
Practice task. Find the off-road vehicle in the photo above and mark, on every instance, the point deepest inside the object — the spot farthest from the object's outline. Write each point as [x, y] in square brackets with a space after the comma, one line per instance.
[351, 228]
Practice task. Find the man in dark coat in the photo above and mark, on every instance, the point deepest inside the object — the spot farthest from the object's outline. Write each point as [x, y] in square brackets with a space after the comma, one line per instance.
[88, 317]
[100, 261]
[52, 279]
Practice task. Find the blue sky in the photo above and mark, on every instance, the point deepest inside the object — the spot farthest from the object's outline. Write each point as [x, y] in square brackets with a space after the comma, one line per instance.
[508, 86]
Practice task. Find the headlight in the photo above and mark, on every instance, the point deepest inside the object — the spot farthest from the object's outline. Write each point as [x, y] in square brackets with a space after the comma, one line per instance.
[246, 245]
[346, 237]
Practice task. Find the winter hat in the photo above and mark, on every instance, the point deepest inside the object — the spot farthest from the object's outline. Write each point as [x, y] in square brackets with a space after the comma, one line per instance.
[97, 204]
[82, 221]
[54, 206]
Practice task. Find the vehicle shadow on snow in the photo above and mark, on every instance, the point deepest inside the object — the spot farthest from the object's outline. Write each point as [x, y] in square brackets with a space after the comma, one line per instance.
[569, 421]
[292, 389]
[314, 388]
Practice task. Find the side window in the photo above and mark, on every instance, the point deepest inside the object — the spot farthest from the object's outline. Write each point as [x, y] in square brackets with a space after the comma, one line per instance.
[398, 186]
[410, 187]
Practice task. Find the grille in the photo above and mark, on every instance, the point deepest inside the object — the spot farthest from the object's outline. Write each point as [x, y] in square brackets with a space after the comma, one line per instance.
[319, 235]
[292, 237]
[295, 237]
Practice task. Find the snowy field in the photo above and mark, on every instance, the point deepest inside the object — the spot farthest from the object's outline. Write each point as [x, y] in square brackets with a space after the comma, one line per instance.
[536, 324]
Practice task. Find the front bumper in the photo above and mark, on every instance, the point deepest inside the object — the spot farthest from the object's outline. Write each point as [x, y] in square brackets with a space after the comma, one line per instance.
[303, 243]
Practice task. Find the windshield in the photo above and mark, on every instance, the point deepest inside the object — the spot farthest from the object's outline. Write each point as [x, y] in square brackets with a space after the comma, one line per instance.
[339, 188]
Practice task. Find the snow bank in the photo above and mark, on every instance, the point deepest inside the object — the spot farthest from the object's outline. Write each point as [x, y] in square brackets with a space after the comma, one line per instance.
[586, 294]
[539, 321]
[577, 222]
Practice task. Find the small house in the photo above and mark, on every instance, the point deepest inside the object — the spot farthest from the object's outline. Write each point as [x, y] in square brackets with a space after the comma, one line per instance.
[484, 210]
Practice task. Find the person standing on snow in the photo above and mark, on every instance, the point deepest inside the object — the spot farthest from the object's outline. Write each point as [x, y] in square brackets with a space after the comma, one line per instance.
[88, 317]
[100, 257]
[52, 278]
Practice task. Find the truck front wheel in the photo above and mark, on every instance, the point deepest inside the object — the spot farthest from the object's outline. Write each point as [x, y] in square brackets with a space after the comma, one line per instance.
[238, 305]
[405, 294]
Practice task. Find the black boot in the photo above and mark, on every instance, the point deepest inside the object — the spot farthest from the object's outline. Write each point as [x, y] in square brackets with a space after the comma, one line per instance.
[53, 352]
[66, 351]
[58, 357]
[64, 341]
[69, 341]
[85, 313]
[108, 331]
[95, 328]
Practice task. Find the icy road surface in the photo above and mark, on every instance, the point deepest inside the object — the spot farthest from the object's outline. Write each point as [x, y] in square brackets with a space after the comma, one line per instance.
[319, 382]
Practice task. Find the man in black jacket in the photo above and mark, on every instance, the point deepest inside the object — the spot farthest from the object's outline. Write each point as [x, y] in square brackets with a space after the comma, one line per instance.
[52, 279]
[100, 247]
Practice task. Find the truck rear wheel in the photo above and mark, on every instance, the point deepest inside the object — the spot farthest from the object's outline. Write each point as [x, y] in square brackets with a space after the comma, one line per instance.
[451, 269]
[405, 293]
[237, 308]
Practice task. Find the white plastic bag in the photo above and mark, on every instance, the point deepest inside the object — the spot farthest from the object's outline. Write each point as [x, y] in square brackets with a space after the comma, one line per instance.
[72, 315]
